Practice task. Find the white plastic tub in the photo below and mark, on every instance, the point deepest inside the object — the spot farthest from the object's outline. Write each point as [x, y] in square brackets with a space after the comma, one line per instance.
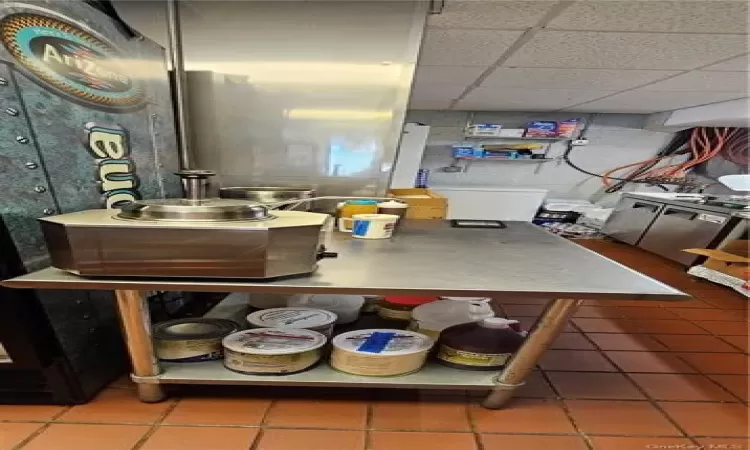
[380, 352]
[272, 351]
[314, 319]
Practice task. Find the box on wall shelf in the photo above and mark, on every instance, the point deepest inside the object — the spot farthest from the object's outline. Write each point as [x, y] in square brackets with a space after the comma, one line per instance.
[483, 130]
[423, 203]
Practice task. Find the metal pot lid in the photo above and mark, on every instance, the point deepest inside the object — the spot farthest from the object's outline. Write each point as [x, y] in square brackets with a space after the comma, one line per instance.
[205, 210]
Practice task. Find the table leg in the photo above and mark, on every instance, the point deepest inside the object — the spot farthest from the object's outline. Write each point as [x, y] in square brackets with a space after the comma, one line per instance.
[542, 335]
[136, 324]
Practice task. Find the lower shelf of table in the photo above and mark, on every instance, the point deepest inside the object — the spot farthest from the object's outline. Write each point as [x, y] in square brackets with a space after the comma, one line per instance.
[432, 376]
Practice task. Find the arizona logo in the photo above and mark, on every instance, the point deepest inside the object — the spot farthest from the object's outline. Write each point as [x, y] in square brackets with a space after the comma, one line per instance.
[70, 61]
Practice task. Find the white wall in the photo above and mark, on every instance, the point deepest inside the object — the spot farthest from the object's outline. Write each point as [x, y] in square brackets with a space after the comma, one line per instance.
[615, 140]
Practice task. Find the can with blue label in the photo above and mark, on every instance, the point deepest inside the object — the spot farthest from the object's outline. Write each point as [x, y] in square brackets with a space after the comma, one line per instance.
[380, 352]
[423, 176]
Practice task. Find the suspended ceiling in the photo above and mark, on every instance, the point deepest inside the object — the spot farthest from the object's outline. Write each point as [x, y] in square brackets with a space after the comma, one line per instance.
[583, 56]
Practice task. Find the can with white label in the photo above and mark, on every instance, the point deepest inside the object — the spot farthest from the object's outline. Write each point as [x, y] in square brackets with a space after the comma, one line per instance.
[192, 339]
[314, 319]
[272, 351]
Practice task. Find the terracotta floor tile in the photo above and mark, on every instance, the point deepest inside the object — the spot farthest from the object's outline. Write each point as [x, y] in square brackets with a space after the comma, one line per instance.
[311, 440]
[736, 384]
[123, 382]
[718, 363]
[606, 325]
[738, 303]
[87, 437]
[663, 386]
[724, 328]
[667, 327]
[619, 417]
[201, 438]
[724, 443]
[421, 416]
[523, 416]
[594, 385]
[741, 342]
[11, 434]
[572, 341]
[710, 314]
[512, 300]
[317, 414]
[116, 405]
[528, 322]
[616, 341]
[505, 442]
[631, 443]
[218, 411]
[598, 312]
[523, 310]
[692, 303]
[575, 360]
[646, 313]
[535, 387]
[382, 440]
[648, 362]
[694, 343]
[22, 413]
[709, 419]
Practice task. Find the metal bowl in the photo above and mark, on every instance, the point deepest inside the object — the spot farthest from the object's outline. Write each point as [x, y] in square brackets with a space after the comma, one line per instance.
[269, 194]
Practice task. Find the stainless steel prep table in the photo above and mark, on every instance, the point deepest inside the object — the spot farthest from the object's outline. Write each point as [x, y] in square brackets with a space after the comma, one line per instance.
[426, 257]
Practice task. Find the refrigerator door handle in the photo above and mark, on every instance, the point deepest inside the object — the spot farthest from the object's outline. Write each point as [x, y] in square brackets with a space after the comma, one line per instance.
[688, 215]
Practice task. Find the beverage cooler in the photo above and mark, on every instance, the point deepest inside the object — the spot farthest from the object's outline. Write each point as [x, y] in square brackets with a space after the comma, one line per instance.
[87, 122]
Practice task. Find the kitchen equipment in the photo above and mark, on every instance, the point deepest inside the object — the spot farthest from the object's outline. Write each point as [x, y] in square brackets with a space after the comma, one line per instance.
[270, 194]
[399, 307]
[380, 352]
[484, 345]
[294, 317]
[191, 339]
[191, 237]
[272, 351]
[488, 203]
[374, 226]
[345, 307]
[432, 318]
[678, 228]
[631, 218]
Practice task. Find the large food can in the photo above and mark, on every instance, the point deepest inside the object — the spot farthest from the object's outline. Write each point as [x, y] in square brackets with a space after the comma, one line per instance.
[191, 340]
[314, 319]
[380, 352]
[272, 351]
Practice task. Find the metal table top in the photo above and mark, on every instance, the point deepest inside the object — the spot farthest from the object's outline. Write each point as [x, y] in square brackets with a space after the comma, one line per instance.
[426, 257]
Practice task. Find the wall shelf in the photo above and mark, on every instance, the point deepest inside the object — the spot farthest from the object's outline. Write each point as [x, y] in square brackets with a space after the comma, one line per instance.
[523, 138]
[539, 160]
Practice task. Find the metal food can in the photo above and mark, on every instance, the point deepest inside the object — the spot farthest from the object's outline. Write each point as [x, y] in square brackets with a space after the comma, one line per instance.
[191, 339]
[273, 351]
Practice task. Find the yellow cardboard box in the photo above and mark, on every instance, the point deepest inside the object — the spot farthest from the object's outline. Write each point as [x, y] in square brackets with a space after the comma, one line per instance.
[733, 259]
[433, 206]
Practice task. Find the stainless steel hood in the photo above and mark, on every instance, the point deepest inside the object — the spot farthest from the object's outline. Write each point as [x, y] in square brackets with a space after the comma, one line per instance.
[309, 93]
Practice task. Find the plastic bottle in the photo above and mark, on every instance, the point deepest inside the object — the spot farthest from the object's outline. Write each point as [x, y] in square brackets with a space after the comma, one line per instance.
[432, 318]
[483, 345]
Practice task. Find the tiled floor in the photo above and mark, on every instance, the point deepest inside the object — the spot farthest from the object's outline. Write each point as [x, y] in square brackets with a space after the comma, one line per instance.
[627, 376]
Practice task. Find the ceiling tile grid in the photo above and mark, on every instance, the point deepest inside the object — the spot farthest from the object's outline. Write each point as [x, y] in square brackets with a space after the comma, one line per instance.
[585, 55]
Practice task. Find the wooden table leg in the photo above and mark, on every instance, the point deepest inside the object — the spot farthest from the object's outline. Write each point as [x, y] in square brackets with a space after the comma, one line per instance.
[136, 324]
[542, 335]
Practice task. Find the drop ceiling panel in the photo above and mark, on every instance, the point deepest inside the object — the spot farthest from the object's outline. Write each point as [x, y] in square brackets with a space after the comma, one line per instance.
[664, 16]
[518, 99]
[597, 79]
[564, 49]
[738, 63]
[500, 15]
[465, 47]
[447, 75]
[648, 102]
[704, 82]
[439, 95]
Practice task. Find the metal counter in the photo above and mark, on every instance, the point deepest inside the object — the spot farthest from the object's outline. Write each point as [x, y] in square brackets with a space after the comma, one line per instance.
[425, 257]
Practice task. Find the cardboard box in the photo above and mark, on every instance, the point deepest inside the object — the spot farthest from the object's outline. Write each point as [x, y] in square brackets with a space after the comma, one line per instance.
[733, 259]
[423, 203]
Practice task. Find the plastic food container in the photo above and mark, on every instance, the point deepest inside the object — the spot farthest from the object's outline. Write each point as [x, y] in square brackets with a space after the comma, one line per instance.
[191, 340]
[399, 307]
[346, 307]
[272, 351]
[373, 226]
[432, 318]
[380, 352]
[294, 317]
